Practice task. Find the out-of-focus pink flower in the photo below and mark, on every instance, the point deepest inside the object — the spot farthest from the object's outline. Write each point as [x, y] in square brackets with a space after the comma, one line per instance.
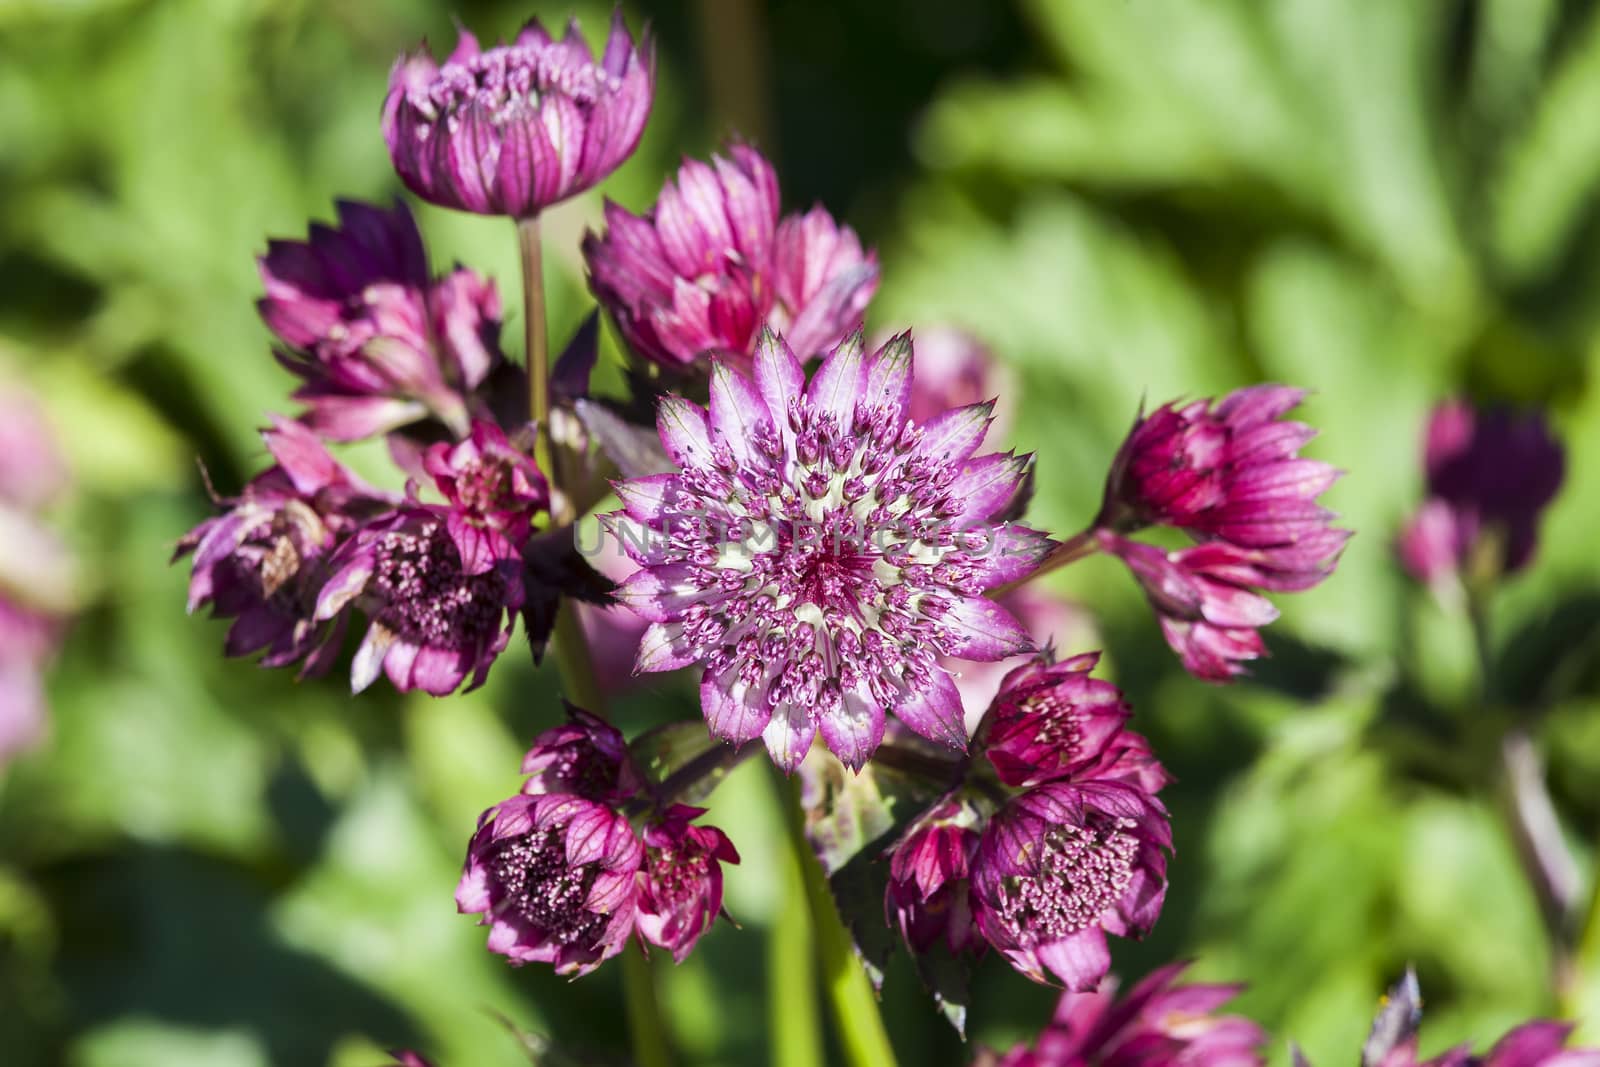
[927, 896]
[680, 881]
[1061, 866]
[819, 598]
[554, 877]
[519, 127]
[1491, 474]
[1157, 1024]
[32, 470]
[377, 343]
[28, 639]
[955, 369]
[264, 560]
[585, 756]
[698, 275]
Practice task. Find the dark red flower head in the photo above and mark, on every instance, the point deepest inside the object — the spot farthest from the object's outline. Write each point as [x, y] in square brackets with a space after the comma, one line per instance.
[680, 883]
[1061, 866]
[554, 878]
[927, 895]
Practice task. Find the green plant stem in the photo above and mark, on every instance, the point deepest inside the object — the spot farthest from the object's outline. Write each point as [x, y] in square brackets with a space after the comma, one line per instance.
[1071, 550]
[647, 1029]
[536, 337]
[794, 1016]
[850, 994]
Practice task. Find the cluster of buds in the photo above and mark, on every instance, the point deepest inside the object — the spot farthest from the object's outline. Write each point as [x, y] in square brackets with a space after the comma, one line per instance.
[37, 572]
[1229, 475]
[561, 875]
[1053, 840]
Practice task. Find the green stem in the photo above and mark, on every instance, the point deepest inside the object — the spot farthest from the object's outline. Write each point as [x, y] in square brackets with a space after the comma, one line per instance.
[794, 1017]
[536, 339]
[647, 1028]
[850, 994]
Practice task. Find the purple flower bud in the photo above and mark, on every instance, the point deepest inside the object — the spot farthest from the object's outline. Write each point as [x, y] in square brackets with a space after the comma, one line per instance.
[1061, 866]
[264, 560]
[929, 867]
[1051, 720]
[1228, 471]
[377, 344]
[680, 883]
[517, 128]
[586, 756]
[494, 492]
[442, 597]
[699, 274]
[811, 613]
[1157, 1024]
[554, 878]
[1490, 475]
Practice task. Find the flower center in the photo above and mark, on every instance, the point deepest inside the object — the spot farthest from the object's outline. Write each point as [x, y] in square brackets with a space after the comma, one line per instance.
[509, 82]
[538, 885]
[427, 598]
[677, 873]
[1081, 872]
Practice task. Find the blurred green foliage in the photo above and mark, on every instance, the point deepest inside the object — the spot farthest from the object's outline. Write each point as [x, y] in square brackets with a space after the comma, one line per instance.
[1385, 202]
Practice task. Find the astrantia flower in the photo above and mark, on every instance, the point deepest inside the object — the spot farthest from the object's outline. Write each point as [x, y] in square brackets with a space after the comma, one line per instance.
[264, 560]
[680, 882]
[926, 898]
[818, 552]
[554, 878]
[516, 128]
[1050, 720]
[494, 490]
[377, 342]
[1061, 866]
[585, 756]
[1490, 476]
[698, 275]
[441, 607]
[1158, 1024]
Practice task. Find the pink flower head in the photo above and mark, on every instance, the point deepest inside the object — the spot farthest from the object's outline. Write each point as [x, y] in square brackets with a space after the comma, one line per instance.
[494, 490]
[700, 274]
[1050, 720]
[1158, 1024]
[586, 756]
[1490, 476]
[818, 552]
[955, 369]
[32, 469]
[680, 882]
[442, 599]
[264, 560]
[1207, 598]
[519, 127]
[927, 895]
[1061, 866]
[1228, 471]
[377, 343]
[554, 878]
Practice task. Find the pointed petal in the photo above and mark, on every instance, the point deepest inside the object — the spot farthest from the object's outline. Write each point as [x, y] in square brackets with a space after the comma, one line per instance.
[685, 431]
[788, 735]
[854, 729]
[662, 648]
[837, 384]
[936, 712]
[738, 413]
[952, 437]
[977, 628]
[779, 376]
[734, 710]
[889, 375]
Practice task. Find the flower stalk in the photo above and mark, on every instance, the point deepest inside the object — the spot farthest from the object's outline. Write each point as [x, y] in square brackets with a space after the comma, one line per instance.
[850, 995]
[647, 1027]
